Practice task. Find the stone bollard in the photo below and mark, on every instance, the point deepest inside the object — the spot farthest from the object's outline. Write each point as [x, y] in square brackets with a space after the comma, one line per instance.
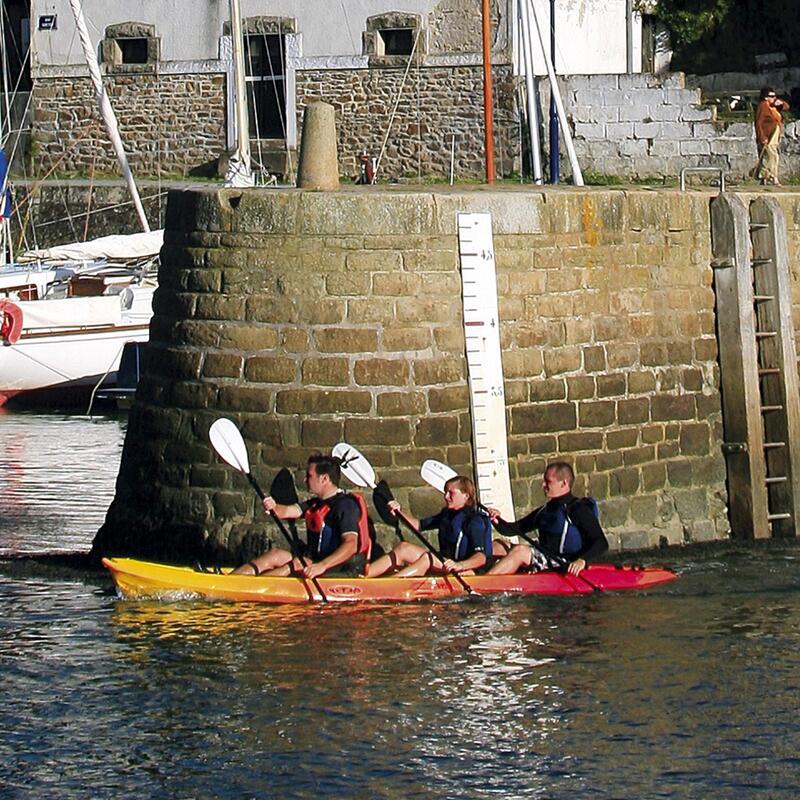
[318, 168]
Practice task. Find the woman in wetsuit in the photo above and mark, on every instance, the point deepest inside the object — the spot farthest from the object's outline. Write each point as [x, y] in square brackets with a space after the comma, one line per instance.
[465, 537]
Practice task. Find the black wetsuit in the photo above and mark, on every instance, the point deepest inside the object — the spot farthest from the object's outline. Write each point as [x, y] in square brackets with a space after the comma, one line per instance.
[593, 542]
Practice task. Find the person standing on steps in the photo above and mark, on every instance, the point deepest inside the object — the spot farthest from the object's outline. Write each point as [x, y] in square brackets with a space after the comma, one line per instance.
[465, 537]
[337, 525]
[768, 124]
[568, 526]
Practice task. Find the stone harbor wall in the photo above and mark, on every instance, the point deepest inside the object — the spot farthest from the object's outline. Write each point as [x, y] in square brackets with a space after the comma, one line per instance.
[309, 318]
[73, 211]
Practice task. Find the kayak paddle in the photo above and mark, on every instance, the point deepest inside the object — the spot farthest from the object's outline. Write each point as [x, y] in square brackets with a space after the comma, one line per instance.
[436, 474]
[226, 439]
[359, 471]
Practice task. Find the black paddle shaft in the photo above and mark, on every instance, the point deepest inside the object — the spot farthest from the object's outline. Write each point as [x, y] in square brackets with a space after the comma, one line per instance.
[286, 534]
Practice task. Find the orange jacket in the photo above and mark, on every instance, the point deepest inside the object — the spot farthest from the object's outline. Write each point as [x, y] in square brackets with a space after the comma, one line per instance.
[768, 117]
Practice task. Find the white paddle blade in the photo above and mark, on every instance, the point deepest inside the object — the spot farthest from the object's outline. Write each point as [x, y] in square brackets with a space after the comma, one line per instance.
[227, 441]
[355, 467]
[436, 474]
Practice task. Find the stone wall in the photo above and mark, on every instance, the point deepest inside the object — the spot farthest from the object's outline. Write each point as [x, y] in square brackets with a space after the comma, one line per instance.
[170, 124]
[309, 318]
[435, 104]
[643, 126]
[631, 126]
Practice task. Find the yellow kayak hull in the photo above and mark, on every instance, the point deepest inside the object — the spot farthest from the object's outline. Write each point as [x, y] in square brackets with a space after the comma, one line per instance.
[145, 579]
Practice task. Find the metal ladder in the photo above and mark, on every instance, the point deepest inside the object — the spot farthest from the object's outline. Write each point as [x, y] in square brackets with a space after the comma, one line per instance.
[758, 366]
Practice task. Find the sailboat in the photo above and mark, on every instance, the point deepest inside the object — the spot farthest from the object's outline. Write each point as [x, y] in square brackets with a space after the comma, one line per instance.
[66, 313]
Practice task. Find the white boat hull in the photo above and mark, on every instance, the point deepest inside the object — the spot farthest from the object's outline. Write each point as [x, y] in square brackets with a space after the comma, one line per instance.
[57, 356]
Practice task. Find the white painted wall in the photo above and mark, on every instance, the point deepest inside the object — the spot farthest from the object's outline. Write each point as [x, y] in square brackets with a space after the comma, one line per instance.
[591, 33]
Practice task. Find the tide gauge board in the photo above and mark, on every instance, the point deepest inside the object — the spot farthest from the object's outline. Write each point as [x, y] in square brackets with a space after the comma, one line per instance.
[484, 361]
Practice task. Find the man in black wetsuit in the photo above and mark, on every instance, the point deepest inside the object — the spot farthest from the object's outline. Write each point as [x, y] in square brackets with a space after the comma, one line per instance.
[568, 528]
[336, 524]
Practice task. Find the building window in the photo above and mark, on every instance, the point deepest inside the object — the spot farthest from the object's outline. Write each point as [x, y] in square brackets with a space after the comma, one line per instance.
[265, 76]
[391, 38]
[133, 51]
[131, 46]
[395, 41]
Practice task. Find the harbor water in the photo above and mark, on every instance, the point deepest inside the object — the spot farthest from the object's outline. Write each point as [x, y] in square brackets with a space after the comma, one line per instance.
[685, 691]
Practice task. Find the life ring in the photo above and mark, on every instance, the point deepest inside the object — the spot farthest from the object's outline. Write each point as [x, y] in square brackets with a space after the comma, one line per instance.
[11, 326]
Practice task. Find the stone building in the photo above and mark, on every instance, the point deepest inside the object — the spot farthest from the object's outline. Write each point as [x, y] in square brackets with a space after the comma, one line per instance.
[405, 78]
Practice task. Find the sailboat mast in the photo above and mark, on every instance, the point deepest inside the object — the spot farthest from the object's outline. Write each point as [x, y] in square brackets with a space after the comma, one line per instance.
[107, 113]
[239, 168]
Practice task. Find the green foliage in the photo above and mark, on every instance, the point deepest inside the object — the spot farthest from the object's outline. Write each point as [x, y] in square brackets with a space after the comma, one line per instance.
[690, 20]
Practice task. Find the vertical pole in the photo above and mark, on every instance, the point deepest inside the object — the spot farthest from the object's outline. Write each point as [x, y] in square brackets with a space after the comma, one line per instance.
[487, 94]
[629, 36]
[554, 175]
[239, 171]
[106, 111]
[526, 46]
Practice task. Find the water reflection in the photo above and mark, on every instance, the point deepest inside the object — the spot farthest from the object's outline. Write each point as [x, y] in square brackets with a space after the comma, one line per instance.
[57, 477]
[684, 691]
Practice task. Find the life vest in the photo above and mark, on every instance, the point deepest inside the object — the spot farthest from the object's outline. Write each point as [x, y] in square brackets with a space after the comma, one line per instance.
[557, 532]
[10, 322]
[454, 541]
[323, 539]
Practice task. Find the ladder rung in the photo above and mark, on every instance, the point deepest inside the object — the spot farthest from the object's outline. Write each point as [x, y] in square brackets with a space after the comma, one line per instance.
[757, 226]
[763, 298]
[776, 479]
[769, 371]
[766, 334]
[758, 262]
[775, 517]
[773, 445]
[767, 409]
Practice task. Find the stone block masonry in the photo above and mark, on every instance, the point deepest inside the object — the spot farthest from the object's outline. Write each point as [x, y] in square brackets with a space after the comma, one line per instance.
[308, 318]
[645, 126]
[170, 124]
[433, 106]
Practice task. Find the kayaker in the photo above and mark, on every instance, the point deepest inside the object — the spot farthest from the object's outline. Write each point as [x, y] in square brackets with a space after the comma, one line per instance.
[336, 523]
[568, 529]
[465, 537]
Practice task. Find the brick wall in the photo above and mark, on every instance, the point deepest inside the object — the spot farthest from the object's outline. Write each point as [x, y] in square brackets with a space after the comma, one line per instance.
[309, 318]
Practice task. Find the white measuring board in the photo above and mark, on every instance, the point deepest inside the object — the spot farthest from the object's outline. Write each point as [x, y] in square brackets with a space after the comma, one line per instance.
[484, 361]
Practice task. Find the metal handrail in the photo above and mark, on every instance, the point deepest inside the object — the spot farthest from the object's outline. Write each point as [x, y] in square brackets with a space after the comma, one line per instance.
[685, 170]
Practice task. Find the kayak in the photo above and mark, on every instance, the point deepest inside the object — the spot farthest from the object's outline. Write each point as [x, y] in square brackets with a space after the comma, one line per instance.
[145, 579]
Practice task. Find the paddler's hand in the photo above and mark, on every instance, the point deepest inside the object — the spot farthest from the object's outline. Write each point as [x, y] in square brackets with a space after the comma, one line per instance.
[576, 567]
[494, 514]
[269, 504]
[450, 565]
[394, 507]
[313, 571]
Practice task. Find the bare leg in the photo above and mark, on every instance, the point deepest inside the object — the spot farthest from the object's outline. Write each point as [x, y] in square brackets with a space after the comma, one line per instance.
[266, 561]
[425, 563]
[292, 567]
[520, 556]
[404, 553]
[501, 548]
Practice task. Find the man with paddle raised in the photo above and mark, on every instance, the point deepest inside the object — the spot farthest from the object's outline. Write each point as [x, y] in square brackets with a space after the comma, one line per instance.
[568, 527]
[336, 523]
